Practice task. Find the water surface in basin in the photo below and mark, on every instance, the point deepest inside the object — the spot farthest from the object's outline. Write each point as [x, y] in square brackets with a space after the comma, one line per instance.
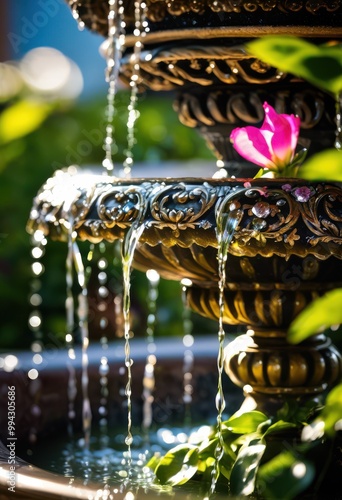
[105, 461]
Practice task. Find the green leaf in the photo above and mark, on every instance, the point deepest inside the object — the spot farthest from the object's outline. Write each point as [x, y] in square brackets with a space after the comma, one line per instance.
[285, 476]
[320, 65]
[330, 419]
[154, 462]
[246, 422]
[22, 118]
[243, 474]
[322, 313]
[326, 165]
[280, 426]
[298, 412]
[332, 412]
[178, 465]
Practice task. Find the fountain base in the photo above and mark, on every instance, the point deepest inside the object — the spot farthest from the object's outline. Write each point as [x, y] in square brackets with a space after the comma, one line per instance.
[271, 370]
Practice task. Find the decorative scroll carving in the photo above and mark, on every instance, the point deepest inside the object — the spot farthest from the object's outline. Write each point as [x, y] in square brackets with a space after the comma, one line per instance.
[179, 208]
[94, 12]
[202, 64]
[240, 108]
[157, 9]
[120, 207]
[217, 110]
[278, 217]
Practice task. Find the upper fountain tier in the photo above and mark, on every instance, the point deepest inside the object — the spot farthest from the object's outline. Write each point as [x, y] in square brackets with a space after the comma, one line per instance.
[201, 42]
[202, 19]
[277, 220]
[197, 47]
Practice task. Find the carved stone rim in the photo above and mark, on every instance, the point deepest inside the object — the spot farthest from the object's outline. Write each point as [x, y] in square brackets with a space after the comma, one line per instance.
[274, 218]
[236, 31]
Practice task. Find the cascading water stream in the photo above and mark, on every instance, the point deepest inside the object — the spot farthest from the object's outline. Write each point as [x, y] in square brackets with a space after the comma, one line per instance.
[188, 359]
[113, 51]
[140, 27]
[227, 220]
[76, 16]
[74, 260]
[35, 319]
[70, 324]
[149, 376]
[129, 244]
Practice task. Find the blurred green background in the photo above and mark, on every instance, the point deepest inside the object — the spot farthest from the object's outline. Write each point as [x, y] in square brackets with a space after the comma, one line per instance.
[46, 126]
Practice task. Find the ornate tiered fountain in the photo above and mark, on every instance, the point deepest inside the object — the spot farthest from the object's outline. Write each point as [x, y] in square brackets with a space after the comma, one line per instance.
[286, 247]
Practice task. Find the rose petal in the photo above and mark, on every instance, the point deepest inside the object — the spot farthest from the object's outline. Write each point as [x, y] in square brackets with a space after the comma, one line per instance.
[251, 144]
[284, 140]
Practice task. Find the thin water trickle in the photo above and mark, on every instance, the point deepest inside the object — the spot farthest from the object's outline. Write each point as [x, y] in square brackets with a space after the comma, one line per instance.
[133, 114]
[227, 221]
[75, 261]
[102, 294]
[38, 242]
[69, 337]
[35, 319]
[76, 16]
[149, 376]
[129, 244]
[113, 51]
[188, 359]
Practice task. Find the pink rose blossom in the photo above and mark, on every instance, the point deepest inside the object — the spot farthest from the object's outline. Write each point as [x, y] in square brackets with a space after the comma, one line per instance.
[271, 146]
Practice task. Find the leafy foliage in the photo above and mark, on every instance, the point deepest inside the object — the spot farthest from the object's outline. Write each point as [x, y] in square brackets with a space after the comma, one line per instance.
[320, 65]
[319, 315]
[329, 420]
[326, 165]
[254, 459]
[258, 458]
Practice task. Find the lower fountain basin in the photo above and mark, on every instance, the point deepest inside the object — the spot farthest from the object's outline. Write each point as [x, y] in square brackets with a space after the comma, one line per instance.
[42, 406]
[287, 239]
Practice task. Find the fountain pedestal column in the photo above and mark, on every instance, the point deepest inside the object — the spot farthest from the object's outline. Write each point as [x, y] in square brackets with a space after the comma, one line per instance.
[271, 370]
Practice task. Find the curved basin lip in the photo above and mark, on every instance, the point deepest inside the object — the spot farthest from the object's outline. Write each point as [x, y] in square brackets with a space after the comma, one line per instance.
[220, 32]
[93, 173]
[104, 207]
[34, 483]
[204, 346]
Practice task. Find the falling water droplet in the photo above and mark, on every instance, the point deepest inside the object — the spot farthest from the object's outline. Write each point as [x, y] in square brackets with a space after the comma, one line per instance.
[76, 16]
